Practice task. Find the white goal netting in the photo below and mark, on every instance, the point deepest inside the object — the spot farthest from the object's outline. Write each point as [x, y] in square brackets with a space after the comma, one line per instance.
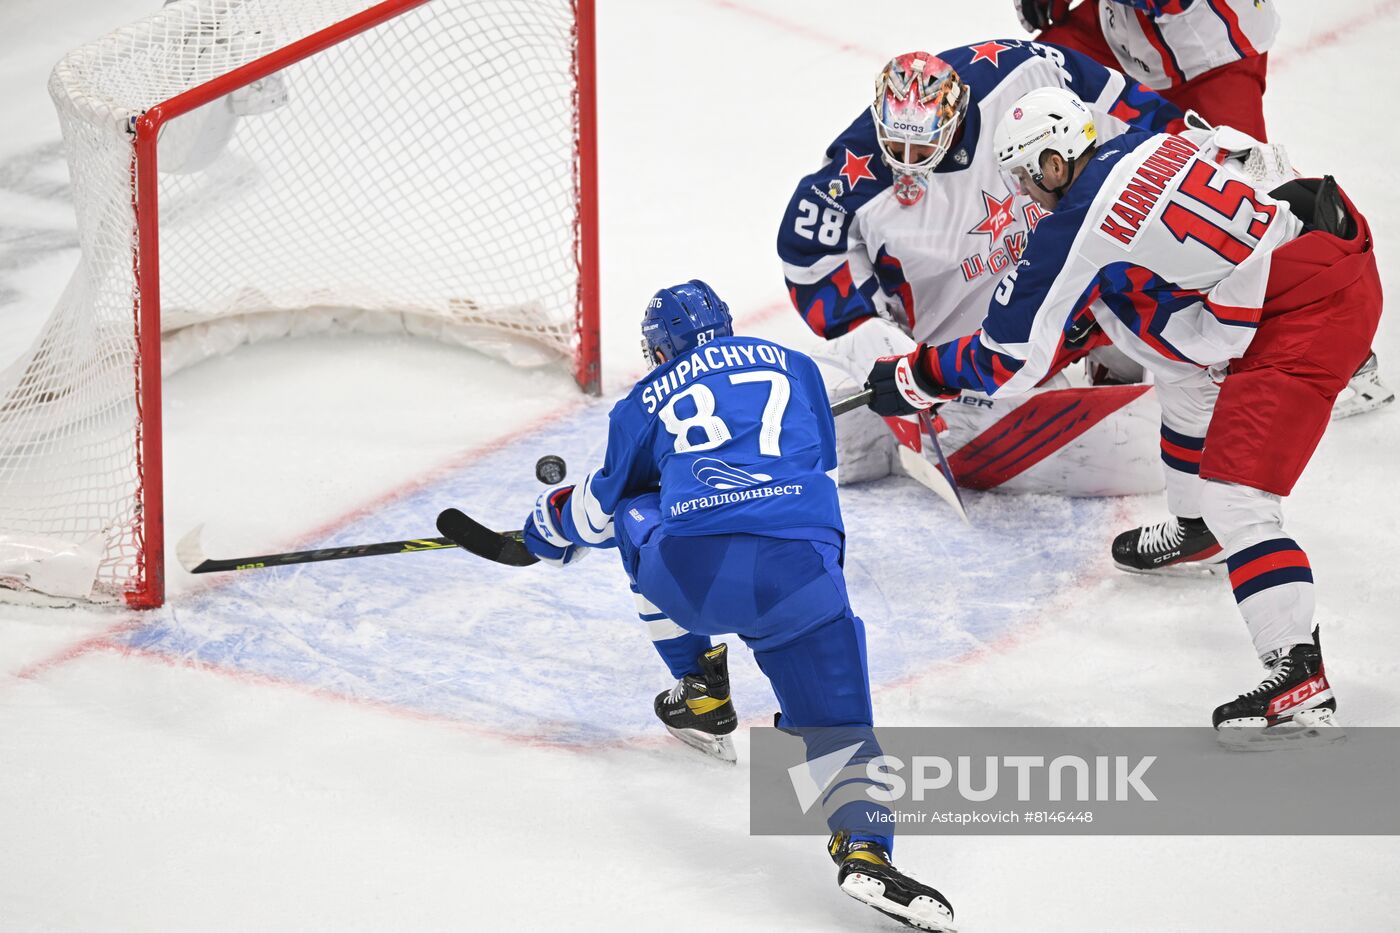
[419, 175]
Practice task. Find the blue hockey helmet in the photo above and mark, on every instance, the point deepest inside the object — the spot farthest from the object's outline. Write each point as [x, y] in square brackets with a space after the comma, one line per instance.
[681, 317]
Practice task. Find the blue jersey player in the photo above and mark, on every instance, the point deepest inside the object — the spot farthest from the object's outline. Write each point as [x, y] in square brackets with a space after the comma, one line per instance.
[717, 492]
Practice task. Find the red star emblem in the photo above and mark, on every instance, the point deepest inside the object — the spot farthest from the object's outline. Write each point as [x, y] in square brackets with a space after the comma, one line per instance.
[856, 168]
[988, 52]
[999, 217]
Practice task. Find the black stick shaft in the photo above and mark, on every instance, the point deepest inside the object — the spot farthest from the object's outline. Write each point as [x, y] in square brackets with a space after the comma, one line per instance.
[211, 565]
[503, 547]
[851, 403]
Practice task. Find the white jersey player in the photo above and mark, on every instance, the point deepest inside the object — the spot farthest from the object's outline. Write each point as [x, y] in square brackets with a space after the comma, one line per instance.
[1169, 45]
[902, 235]
[1251, 299]
[1210, 56]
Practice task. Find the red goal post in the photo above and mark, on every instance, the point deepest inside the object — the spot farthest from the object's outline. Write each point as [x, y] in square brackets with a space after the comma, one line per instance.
[321, 164]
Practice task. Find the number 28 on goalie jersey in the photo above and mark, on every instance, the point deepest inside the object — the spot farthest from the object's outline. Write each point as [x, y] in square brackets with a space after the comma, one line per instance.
[736, 433]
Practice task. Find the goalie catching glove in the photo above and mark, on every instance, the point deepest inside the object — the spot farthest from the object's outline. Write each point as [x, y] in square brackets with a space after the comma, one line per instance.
[543, 535]
[901, 385]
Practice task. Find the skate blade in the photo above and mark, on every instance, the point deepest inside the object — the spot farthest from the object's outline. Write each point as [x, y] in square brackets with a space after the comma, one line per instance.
[718, 747]
[922, 913]
[1314, 728]
[1189, 569]
[1359, 405]
[1364, 393]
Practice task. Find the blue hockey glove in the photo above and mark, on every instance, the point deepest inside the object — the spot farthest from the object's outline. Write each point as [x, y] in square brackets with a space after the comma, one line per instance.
[902, 388]
[543, 536]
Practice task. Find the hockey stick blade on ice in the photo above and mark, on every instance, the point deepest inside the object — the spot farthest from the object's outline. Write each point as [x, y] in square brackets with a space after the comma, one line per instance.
[190, 552]
[503, 547]
[922, 458]
[938, 478]
[950, 481]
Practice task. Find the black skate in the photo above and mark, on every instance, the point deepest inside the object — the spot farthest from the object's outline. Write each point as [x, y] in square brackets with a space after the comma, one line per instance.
[698, 711]
[1294, 704]
[1176, 546]
[1365, 392]
[865, 873]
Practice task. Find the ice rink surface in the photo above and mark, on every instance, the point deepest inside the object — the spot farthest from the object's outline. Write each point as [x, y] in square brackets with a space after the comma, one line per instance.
[428, 742]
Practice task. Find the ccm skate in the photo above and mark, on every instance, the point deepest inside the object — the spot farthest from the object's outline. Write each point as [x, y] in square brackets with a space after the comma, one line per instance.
[1175, 547]
[1293, 705]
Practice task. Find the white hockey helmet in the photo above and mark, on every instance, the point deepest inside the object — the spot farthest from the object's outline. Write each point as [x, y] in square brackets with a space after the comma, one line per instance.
[1046, 119]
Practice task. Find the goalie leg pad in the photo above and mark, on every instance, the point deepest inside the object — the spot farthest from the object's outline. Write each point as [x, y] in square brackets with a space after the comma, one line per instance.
[1076, 441]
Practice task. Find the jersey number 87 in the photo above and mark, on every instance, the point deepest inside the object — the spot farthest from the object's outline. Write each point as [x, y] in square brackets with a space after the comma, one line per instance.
[716, 431]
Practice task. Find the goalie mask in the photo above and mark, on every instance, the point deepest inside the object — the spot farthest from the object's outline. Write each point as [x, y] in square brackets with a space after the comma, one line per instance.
[919, 101]
[682, 317]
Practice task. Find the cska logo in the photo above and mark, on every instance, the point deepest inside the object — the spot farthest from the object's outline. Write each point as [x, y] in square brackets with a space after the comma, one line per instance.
[908, 189]
[1000, 216]
[1007, 244]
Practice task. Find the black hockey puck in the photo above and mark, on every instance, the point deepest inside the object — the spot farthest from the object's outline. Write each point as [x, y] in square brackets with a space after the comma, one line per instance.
[550, 469]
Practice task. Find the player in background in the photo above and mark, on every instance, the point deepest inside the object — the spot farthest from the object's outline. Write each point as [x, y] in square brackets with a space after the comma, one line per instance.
[715, 491]
[1252, 303]
[1210, 56]
[901, 236]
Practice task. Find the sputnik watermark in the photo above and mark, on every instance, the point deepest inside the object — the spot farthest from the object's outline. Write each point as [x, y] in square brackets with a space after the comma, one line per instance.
[1047, 780]
[1072, 778]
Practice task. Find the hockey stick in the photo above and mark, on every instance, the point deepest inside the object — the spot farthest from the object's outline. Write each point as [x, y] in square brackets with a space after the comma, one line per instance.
[503, 547]
[458, 530]
[852, 402]
[938, 478]
[950, 482]
[190, 553]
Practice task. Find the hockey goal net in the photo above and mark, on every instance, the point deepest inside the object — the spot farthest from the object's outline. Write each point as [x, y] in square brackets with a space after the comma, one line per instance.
[249, 168]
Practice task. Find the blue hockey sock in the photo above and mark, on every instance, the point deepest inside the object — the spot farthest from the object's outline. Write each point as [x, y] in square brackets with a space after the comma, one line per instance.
[682, 653]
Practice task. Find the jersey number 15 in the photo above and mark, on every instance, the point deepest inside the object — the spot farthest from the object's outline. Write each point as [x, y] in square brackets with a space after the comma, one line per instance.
[1221, 233]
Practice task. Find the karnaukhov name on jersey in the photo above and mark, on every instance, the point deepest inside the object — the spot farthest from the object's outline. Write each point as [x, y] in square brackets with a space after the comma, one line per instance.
[1136, 202]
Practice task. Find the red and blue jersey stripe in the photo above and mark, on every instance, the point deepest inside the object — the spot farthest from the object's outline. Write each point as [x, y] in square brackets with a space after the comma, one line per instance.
[1238, 41]
[890, 273]
[1153, 33]
[833, 304]
[1167, 43]
[1145, 302]
[1160, 7]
